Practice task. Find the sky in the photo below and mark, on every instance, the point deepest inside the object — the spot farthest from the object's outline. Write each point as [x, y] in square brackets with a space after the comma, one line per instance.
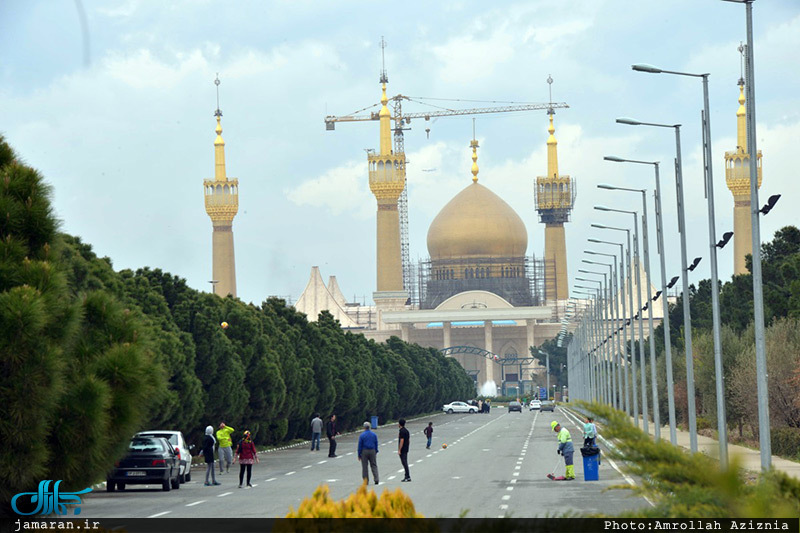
[113, 102]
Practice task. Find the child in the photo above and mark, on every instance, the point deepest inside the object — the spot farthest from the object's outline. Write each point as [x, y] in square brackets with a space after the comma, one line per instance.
[429, 433]
[589, 433]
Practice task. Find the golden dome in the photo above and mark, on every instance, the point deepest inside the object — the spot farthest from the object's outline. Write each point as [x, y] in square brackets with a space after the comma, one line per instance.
[477, 223]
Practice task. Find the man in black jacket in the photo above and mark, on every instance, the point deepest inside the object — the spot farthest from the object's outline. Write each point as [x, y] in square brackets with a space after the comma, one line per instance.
[331, 433]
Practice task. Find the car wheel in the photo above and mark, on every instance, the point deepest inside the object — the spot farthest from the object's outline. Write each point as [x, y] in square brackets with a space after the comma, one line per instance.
[449, 411]
[165, 485]
[121, 486]
[110, 486]
[188, 475]
[182, 478]
[176, 483]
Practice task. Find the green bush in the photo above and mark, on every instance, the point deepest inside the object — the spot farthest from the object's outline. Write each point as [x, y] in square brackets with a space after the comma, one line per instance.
[786, 442]
[703, 423]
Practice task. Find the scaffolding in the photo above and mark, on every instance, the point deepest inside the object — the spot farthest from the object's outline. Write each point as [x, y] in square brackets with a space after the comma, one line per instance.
[519, 280]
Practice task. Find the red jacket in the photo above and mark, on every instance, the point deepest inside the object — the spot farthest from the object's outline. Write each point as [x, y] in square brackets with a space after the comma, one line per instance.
[247, 450]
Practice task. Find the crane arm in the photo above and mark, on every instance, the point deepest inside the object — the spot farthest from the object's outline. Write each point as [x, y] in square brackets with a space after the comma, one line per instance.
[331, 119]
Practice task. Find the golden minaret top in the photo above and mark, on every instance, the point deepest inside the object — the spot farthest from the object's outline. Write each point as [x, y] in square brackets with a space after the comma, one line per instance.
[552, 148]
[474, 144]
[385, 121]
[221, 193]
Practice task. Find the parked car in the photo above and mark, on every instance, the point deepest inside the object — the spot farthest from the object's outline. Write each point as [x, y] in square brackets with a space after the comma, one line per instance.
[535, 404]
[514, 406]
[459, 407]
[178, 442]
[150, 461]
[548, 405]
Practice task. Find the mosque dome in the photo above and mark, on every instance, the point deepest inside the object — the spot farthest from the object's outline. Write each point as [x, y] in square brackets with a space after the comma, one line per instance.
[477, 224]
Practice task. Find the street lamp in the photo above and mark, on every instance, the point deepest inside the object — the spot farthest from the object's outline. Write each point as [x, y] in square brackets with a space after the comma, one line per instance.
[758, 294]
[213, 283]
[627, 398]
[601, 326]
[646, 245]
[673, 438]
[620, 394]
[687, 315]
[722, 429]
[616, 385]
[627, 231]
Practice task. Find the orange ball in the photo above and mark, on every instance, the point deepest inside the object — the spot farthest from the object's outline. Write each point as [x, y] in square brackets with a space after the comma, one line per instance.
[444, 445]
[224, 325]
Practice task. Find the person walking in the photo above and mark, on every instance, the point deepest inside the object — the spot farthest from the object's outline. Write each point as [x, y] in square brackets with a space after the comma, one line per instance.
[589, 433]
[565, 448]
[208, 454]
[368, 453]
[225, 447]
[316, 431]
[404, 438]
[331, 433]
[429, 433]
[247, 454]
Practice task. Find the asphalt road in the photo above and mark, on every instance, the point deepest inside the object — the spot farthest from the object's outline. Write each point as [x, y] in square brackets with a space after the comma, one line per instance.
[494, 465]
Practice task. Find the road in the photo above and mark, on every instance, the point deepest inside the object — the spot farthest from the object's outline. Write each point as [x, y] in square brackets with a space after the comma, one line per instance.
[494, 465]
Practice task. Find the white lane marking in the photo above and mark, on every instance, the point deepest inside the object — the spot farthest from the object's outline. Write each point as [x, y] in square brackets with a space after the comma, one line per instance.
[515, 474]
[517, 467]
[486, 449]
[322, 462]
[504, 506]
[195, 503]
[349, 453]
[513, 481]
[400, 471]
[289, 473]
[224, 494]
[506, 497]
[429, 455]
[159, 514]
[270, 479]
[331, 480]
[392, 477]
[510, 488]
[307, 466]
[419, 460]
[456, 477]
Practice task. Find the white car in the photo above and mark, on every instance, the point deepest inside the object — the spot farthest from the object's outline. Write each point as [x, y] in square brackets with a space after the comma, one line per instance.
[178, 442]
[535, 404]
[459, 407]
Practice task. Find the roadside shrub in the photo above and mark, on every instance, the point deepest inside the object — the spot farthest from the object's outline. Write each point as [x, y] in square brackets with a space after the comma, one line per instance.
[786, 442]
[360, 504]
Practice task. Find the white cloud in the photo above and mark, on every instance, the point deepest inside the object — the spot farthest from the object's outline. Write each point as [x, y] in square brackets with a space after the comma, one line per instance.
[340, 190]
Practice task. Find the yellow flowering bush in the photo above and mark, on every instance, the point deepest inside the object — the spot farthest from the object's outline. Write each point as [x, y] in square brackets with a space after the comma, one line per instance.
[361, 504]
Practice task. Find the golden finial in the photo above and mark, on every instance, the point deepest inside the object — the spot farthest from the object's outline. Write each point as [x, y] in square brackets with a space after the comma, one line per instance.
[474, 145]
[218, 114]
[552, 154]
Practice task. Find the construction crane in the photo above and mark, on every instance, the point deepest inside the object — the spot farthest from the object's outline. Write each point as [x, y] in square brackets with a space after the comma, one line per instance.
[400, 120]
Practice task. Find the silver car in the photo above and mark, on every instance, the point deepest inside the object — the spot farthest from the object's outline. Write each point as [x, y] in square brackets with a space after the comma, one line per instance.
[178, 442]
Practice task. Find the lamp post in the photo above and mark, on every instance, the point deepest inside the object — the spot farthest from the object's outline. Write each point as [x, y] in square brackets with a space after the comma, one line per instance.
[722, 429]
[589, 343]
[687, 315]
[601, 325]
[634, 392]
[599, 376]
[616, 383]
[758, 293]
[618, 294]
[665, 304]
[645, 423]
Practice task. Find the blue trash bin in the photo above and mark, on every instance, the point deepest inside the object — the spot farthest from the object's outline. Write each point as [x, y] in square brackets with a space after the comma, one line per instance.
[591, 463]
[374, 422]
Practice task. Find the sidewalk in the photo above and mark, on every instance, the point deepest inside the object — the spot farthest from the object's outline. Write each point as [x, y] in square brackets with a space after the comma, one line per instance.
[750, 459]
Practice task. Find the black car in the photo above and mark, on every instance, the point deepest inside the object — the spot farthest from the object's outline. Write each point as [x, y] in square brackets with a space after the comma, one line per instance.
[150, 461]
[514, 406]
[548, 405]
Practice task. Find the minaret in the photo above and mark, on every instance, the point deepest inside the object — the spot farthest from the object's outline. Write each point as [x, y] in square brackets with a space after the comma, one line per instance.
[222, 204]
[387, 172]
[737, 176]
[554, 197]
